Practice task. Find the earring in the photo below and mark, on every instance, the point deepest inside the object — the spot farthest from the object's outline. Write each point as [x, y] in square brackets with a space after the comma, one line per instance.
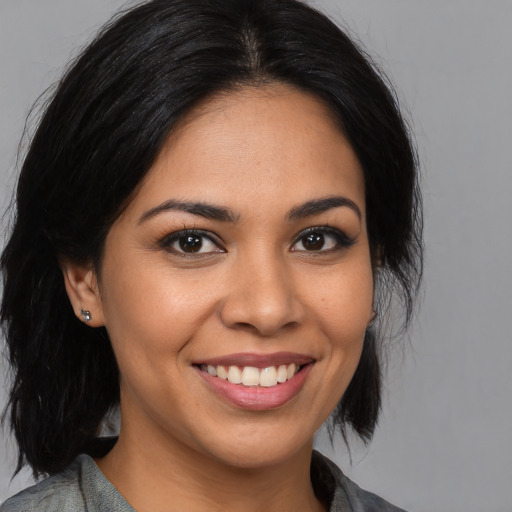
[86, 315]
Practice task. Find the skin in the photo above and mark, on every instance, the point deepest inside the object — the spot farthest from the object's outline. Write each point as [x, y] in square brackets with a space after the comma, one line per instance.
[256, 288]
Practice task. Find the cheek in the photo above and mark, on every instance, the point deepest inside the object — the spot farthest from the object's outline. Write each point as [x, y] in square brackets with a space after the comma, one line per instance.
[149, 323]
[150, 314]
[344, 305]
[343, 313]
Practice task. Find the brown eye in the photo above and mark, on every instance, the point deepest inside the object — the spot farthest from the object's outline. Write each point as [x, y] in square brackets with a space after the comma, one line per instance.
[313, 241]
[190, 243]
[322, 239]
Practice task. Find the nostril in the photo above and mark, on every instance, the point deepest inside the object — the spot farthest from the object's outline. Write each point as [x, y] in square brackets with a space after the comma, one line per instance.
[261, 299]
[265, 329]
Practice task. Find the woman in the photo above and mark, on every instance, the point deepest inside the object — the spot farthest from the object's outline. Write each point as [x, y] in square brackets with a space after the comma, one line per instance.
[218, 199]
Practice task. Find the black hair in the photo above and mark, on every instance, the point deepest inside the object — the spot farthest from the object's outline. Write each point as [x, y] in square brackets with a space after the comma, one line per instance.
[100, 134]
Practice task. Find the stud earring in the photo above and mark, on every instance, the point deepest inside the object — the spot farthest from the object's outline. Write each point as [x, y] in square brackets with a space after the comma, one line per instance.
[86, 315]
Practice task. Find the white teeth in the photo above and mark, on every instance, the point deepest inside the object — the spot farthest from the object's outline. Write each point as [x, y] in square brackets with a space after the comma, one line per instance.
[234, 375]
[282, 374]
[268, 377]
[251, 376]
[222, 373]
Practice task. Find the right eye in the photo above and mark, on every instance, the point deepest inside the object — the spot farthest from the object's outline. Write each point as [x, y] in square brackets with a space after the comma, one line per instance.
[190, 242]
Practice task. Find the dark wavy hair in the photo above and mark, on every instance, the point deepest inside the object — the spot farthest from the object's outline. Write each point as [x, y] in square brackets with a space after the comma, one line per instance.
[98, 137]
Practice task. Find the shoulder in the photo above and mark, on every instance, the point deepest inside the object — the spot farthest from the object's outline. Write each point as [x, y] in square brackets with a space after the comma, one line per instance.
[60, 492]
[81, 487]
[340, 493]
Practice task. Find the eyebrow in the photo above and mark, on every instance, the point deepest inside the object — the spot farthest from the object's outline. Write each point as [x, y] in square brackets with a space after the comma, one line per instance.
[220, 213]
[317, 206]
[206, 210]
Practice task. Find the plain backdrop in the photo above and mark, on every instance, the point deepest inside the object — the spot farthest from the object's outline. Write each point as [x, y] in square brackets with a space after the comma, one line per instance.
[444, 442]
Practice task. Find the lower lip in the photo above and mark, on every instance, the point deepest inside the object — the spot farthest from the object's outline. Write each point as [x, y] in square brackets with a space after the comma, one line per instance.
[258, 398]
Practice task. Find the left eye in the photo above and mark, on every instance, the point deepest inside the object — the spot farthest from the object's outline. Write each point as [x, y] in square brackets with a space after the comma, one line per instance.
[321, 240]
[190, 243]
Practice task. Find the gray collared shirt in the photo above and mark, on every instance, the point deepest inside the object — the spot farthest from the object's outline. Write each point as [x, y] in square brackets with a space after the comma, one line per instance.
[82, 487]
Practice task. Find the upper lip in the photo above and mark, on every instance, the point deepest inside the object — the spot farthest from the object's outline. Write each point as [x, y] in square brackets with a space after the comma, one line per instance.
[258, 360]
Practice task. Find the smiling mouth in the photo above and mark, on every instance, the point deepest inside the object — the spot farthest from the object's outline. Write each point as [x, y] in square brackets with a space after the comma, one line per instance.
[251, 376]
[256, 382]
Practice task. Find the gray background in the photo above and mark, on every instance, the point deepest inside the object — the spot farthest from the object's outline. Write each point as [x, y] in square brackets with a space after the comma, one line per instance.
[444, 443]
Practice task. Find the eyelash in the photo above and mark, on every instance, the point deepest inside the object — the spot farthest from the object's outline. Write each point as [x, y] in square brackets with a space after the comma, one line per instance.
[167, 242]
[341, 240]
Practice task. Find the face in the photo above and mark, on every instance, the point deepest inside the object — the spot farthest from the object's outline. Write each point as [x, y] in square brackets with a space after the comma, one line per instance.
[242, 257]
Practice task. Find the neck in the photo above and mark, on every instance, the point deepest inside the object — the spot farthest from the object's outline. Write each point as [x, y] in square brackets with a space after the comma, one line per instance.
[151, 480]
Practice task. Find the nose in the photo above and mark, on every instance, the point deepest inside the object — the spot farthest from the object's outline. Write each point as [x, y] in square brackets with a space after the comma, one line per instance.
[261, 297]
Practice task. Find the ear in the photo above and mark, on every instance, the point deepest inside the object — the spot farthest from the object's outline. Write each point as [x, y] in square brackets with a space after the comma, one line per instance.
[83, 291]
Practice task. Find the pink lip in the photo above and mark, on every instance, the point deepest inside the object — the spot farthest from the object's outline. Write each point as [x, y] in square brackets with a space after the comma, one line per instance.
[258, 398]
[258, 360]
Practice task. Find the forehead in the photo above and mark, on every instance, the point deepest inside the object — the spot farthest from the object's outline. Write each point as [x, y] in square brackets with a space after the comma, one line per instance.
[252, 145]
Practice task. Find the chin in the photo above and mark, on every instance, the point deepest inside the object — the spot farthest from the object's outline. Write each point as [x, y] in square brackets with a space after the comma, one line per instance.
[256, 450]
